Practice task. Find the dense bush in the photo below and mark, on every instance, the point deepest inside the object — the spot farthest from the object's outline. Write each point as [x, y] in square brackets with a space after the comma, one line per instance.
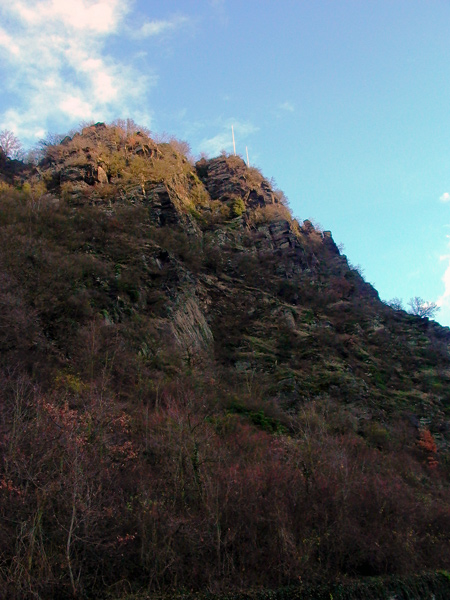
[195, 406]
[180, 493]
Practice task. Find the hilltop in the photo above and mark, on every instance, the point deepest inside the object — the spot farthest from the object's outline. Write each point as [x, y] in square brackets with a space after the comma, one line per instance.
[200, 392]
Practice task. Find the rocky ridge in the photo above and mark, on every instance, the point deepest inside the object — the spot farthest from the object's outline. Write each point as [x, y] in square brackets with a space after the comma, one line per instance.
[252, 272]
[188, 297]
[269, 271]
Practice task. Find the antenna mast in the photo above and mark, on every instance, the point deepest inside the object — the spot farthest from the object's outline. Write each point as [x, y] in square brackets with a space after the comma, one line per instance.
[248, 162]
[234, 143]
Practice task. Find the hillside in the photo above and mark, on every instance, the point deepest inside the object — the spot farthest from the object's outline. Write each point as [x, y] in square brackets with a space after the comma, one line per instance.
[199, 392]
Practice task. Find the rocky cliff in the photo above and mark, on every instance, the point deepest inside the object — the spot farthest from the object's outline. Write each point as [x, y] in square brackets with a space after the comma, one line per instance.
[168, 320]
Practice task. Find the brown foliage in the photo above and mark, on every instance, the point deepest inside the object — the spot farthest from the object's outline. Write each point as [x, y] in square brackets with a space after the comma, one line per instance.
[270, 213]
[131, 463]
[427, 444]
[182, 493]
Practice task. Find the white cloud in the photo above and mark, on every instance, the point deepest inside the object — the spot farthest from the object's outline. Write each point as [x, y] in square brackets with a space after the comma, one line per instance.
[154, 28]
[102, 16]
[214, 146]
[444, 299]
[242, 128]
[54, 61]
[7, 42]
[76, 107]
[224, 140]
[287, 106]
[445, 197]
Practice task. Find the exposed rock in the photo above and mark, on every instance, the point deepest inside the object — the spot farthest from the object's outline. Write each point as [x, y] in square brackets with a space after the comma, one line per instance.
[308, 227]
[190, 327]
[14, 171]
[102, 177]
[94, 131]
[74, 174]
[227, 177]
[183, 329]
[167, 208]
[162, 208]
[329, 242]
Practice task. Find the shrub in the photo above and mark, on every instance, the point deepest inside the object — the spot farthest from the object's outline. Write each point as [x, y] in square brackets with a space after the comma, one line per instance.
[237, 207]
[270, 213]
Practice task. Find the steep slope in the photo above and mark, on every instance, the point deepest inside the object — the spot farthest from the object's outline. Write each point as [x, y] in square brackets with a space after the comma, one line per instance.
[199, 391]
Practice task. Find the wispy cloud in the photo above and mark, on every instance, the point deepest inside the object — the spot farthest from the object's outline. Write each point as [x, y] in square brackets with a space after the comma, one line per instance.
[7, 42]
[223, 140]
[102, 16]
[215, 145]
[220, 10]
[287, 106]
[161, 27]
[444, 299]
[55, 63]
[445, 197]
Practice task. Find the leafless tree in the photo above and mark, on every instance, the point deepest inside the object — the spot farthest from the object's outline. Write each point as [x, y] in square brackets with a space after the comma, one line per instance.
[10, 144]
[422, 308]
[395, 303]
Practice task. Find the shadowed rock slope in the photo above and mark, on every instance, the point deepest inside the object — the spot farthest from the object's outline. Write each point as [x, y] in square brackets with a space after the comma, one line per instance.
[199, 392]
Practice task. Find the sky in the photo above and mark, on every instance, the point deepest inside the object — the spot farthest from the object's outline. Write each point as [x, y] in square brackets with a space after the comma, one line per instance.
[344, 103]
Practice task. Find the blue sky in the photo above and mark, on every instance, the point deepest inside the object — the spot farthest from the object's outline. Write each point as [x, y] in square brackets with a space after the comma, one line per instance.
[344, 103]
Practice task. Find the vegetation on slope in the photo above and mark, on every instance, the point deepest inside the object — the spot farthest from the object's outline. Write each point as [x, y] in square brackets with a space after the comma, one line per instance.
[199, 393]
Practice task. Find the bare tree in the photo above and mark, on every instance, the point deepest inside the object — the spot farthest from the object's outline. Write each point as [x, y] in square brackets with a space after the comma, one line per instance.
[130, 127]
[10, 144]
[395, 303]
[422, 308]
[51, 139]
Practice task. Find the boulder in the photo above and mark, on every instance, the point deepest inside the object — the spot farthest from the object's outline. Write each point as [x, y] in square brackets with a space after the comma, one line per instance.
[102, 177]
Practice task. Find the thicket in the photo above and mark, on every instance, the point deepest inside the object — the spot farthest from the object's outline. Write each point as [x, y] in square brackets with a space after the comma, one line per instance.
[132, 465]
[179, 493]
[130, 159]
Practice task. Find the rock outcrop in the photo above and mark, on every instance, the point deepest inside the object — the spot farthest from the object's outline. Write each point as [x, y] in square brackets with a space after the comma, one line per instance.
[199, 392]
[14, 171]
[226, 274]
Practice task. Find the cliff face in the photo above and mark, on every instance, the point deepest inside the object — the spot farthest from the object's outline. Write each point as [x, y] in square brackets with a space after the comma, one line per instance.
[241, 280]
[157, 317]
